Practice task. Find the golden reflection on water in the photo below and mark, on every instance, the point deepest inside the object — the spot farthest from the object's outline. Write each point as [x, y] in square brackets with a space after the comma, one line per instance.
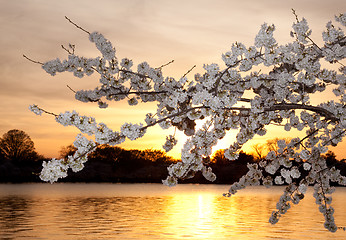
[190, 215]
[208, 216]
[151, 211]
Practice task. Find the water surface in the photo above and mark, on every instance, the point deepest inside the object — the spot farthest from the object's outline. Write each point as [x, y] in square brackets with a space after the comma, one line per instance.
[154, 211]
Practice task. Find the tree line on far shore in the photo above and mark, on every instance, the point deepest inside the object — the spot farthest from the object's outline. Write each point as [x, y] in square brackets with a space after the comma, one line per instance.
[19, 162]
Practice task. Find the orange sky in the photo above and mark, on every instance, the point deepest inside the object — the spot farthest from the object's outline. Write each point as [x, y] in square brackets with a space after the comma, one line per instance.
[190, 32]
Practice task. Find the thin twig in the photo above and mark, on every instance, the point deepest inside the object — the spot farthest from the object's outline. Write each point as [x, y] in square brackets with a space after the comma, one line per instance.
[330, 140]
[74, 24]
[188, 71]
[67, 50]
[32, 60]
[164, 65]
[295, 14]
[71, 89]
[306, 137]
[50, 113]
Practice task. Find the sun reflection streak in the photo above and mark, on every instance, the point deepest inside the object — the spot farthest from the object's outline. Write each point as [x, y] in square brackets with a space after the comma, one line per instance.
[190, 215]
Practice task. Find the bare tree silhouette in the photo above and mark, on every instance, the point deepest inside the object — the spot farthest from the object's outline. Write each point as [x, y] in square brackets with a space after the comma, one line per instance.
[16, 145]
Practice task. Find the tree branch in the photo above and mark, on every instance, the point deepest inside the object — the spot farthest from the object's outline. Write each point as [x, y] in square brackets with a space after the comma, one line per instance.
[287, 106]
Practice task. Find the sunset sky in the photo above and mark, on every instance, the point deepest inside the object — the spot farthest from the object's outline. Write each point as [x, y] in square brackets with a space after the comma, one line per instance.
[157, 31]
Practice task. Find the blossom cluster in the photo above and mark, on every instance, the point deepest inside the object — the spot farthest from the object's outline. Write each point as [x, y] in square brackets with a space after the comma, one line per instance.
[219, 100]
[53, 170]
[35, 109]
[57, 168]
[103, 45]
[170, 143]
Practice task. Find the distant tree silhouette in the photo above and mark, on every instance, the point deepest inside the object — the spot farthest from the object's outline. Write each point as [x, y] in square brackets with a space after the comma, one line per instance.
[66, 151]
[156, 156]
[17, 146]
[220, 159]
[272, 144]
[245, 158]
[105, 152]
[2, 157]
[330, 158]
[259, 151]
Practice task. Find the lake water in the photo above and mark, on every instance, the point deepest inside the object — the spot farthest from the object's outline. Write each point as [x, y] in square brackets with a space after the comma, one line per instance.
[154, 211]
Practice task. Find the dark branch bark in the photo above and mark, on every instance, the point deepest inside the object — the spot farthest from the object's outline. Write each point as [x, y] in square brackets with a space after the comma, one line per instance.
[287, 106]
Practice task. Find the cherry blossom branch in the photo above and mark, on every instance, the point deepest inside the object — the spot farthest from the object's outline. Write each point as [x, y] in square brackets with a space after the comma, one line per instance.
[294, 69]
